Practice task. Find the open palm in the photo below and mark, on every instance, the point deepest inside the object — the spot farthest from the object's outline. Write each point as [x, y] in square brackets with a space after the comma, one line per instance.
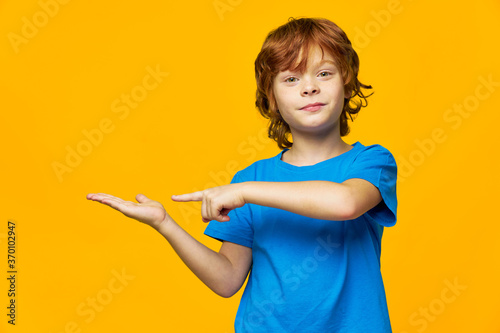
[144, 210]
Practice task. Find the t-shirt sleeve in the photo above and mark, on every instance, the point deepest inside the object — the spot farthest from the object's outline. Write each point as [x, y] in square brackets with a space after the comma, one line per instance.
[377, 165]
[239, 227]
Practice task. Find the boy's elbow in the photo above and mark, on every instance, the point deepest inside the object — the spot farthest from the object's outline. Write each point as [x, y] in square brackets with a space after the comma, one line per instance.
[342, 211]
[226, 291]
[346, 212]
[227, 294]
[356, 202]
[348, 209]
[228, 286]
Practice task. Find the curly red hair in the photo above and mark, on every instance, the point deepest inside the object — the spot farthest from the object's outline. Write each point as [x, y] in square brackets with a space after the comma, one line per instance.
[280, 52]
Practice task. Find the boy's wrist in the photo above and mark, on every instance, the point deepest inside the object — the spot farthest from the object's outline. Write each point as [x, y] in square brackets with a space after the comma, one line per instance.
[164, 226]
[246, 191]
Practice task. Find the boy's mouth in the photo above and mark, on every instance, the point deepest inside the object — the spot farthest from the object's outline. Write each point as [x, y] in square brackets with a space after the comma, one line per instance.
[312, 107]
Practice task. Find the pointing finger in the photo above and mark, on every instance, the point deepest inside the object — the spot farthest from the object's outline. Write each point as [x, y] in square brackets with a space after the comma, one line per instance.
[195, 196]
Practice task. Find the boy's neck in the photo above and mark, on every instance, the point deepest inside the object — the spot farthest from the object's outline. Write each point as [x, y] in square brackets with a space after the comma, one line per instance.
[309, 150]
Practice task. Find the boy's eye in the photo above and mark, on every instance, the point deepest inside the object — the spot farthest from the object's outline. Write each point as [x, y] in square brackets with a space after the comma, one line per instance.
[294, 79]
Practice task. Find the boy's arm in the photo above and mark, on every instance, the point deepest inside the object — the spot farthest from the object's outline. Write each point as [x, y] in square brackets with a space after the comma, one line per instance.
[224, 272]
[317, 199]
[324, 200]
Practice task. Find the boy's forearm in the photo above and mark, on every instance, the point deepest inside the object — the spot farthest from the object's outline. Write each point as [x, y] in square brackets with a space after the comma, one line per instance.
[317, 199]
[212, 268]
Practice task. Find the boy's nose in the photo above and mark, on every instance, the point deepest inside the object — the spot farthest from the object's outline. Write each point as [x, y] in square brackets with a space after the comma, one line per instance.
[310, 90]
[310, 87]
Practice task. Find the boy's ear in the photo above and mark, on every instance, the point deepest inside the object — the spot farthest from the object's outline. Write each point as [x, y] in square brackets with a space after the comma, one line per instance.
[347, 93]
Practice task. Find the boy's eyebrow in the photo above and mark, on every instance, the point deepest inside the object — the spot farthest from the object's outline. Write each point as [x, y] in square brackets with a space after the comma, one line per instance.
[326, 61]
[319, 64]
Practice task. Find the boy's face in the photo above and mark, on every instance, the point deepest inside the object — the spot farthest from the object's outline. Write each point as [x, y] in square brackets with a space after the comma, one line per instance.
[320, 83]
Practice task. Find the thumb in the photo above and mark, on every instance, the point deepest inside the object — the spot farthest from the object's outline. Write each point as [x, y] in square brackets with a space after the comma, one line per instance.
[141, 198]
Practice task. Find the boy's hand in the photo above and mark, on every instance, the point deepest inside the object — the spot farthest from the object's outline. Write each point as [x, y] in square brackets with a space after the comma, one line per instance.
[217, 202]
[146, 211]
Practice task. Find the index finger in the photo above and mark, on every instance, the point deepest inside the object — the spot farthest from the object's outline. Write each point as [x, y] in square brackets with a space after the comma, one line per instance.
[195, 196]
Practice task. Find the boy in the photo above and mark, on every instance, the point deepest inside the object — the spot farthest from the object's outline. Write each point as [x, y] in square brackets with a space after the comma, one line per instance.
[306, 223]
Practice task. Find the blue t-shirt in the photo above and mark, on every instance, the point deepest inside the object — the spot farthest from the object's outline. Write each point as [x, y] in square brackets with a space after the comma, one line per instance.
[311, 275]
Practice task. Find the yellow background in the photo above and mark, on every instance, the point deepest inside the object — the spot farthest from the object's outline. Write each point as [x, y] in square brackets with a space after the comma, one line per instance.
[199, 125]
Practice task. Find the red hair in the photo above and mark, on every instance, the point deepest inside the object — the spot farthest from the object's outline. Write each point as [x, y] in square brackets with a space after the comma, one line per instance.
[280, 52]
